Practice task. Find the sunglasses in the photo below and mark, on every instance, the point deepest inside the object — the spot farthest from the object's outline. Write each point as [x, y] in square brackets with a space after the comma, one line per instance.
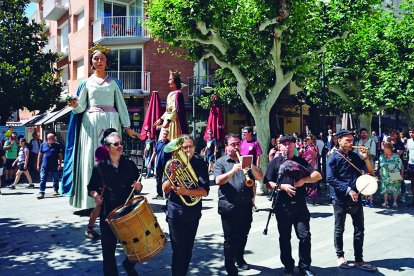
[116, 144]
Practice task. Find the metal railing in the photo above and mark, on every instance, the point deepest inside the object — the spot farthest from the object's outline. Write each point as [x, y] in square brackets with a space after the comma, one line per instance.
[118, 27]
[197, 83]
[133, 81]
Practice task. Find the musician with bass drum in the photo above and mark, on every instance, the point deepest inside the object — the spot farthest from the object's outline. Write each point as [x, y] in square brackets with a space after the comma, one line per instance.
[235, 203]
[187, 182]
[115, 176]
[289, 173]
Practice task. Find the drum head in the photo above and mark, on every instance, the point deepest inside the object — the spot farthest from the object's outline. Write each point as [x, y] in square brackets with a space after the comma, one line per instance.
[367, 184]
[128, 208]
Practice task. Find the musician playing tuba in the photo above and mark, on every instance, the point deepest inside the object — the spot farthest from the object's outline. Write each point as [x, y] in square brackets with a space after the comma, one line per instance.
[235, 204]
[184, 205]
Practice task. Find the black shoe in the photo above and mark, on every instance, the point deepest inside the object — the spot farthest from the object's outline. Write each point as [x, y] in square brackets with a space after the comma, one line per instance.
[243, 265]
[288, 272]
[129, 268]
[306, 272]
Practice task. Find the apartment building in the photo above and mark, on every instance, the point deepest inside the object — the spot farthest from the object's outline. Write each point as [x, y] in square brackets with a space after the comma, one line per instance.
[73, 26]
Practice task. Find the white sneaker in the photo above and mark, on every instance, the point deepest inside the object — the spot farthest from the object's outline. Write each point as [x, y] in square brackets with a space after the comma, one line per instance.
[402, 199]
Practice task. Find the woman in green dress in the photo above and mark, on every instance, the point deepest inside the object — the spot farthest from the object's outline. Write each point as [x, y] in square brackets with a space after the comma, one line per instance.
[99, 105]
[391, 171]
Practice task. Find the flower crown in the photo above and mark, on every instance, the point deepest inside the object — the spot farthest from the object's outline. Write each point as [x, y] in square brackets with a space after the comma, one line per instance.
[100, 48]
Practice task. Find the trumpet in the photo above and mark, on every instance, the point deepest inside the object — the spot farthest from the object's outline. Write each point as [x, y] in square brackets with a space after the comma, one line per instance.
[249, 181]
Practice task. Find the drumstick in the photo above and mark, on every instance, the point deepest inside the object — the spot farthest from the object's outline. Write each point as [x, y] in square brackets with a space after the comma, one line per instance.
[139, 179]
[360, 147]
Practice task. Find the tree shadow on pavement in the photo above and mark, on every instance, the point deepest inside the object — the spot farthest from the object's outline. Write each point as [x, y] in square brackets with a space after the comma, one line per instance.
[40, 249]
[397, 266]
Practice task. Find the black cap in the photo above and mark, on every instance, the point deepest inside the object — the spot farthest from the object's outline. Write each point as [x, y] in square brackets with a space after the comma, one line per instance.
[343, 132]
[287, 138]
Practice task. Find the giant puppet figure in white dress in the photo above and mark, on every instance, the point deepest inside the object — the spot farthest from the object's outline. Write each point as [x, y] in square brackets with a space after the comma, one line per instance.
[98, 105]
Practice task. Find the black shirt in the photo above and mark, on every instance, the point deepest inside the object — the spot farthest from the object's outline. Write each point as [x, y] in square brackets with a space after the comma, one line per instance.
[235, 192]
[272, 174]
[118, 182]
[176, 207]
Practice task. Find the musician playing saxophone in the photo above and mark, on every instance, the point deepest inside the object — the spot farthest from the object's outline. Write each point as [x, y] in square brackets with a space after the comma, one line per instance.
[182, 219]
[235, 204]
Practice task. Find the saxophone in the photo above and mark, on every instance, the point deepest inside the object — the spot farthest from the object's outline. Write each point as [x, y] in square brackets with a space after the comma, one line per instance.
[179, 170]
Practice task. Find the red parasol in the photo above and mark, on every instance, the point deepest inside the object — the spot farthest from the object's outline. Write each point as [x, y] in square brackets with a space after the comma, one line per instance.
[154, 112]
[215, 122]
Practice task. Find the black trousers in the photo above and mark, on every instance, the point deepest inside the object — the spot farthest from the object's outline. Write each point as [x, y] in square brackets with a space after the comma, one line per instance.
[109, 242]
[296, 215]
[357, 221]
[182, 236]
[158, 177]
[236, 226]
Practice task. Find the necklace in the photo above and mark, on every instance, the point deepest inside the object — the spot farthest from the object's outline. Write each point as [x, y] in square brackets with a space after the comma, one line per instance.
[100, 81]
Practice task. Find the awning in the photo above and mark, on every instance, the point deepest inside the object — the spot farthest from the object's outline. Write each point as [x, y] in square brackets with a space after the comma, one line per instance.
[32, 121]
[54, 116]
[47, 116]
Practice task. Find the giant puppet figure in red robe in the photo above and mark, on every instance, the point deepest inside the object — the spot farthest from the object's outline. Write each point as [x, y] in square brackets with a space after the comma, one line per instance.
[174, 119]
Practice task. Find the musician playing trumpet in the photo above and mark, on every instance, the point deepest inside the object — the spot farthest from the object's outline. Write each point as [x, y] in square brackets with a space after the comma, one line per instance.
[235, 204]
[183, 219]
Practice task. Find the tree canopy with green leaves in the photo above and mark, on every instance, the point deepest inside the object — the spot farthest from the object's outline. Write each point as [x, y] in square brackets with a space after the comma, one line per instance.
[260, 43]
[372, 69]
[26, 77]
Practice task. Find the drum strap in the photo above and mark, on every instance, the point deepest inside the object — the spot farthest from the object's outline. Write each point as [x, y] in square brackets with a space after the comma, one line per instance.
[349, 162]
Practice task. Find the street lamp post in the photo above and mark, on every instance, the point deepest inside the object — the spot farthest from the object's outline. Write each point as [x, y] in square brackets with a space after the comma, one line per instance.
[196, 86]
[324, 130]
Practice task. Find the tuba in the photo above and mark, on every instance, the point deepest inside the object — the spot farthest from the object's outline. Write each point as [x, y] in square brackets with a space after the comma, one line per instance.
[179, 170]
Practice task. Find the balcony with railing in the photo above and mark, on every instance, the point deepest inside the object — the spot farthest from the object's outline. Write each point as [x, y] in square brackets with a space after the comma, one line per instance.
[196, 84]
[134, 83]
[57, 44]
[119, 29]
[54, 9]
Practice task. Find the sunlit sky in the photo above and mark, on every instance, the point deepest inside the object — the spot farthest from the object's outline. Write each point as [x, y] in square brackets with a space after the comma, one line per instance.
[30, 9]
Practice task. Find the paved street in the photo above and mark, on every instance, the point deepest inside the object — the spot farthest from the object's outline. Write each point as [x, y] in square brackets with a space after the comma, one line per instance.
[46, 237]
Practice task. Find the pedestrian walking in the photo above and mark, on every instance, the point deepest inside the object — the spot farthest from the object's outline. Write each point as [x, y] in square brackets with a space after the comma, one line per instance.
[34, 146]
[22, 162]
[10, 147]
[49, 161]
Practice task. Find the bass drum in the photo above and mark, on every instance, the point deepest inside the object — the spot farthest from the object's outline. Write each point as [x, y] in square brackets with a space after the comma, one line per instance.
[367, 184]
[137, 229]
